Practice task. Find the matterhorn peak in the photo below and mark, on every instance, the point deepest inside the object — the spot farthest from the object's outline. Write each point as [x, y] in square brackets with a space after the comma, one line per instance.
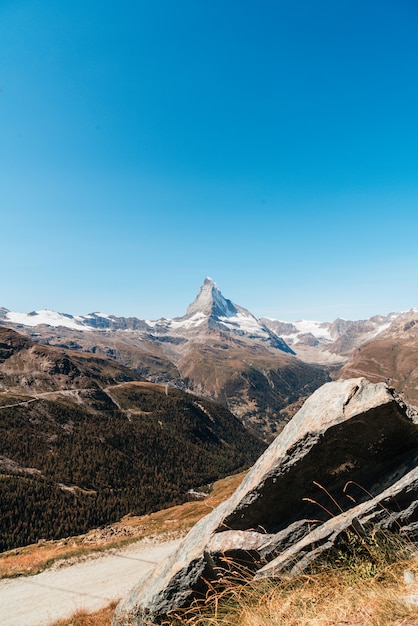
[211, 302]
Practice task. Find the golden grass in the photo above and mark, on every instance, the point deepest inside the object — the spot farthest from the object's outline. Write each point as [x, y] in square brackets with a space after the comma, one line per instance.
[81, 618]
[362, 588]
[331, 597]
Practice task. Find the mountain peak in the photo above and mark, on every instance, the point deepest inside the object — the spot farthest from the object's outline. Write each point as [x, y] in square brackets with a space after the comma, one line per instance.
[211, 302]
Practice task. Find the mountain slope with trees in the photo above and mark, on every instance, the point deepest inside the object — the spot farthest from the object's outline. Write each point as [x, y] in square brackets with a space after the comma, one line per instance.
[85, 446]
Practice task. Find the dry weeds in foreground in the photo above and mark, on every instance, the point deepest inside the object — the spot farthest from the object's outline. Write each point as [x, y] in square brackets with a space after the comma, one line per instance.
[99, 618]
[347, 596]
[331, 598]
[362, 585]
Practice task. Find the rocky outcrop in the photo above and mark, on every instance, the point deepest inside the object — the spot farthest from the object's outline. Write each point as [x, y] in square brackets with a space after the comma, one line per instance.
[348, 458]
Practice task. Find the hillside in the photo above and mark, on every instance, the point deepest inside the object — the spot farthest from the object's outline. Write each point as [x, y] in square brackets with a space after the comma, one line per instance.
[263, 389]
[217, 349]
[391, 357]
[84, 442]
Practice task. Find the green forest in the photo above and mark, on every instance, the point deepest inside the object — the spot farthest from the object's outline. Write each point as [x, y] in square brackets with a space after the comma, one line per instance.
[97, 461]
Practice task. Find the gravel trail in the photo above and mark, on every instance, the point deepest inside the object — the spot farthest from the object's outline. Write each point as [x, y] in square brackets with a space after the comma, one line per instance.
[90, 585]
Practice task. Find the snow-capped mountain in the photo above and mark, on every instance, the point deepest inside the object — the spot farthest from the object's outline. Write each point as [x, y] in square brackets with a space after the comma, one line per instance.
[44, 317]
[329, 341]
[53, 319]
[390, 356]
[211, 303]
[212, 311]
[260, 368]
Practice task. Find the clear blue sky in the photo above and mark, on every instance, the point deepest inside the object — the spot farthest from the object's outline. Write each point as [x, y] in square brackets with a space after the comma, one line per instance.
[272, 145]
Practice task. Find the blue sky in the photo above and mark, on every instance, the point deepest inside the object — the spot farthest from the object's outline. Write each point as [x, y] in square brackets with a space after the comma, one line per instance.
[271, 145]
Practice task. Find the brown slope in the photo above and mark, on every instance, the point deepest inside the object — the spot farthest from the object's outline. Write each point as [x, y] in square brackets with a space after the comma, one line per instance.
[31, 367]
[254, 379]
[259, 386]
[84, 441]
[217, 349]
[391, 357]
[69, 463]
[134, 349]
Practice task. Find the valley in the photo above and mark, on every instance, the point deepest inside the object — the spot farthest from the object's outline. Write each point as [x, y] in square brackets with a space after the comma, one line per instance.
[101, 416]
[100, 443]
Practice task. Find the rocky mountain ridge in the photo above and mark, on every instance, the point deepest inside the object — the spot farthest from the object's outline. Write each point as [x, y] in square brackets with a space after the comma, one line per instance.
[212, 310]
[217, 349]
[261, 369]
[333, 341]
[392, 356]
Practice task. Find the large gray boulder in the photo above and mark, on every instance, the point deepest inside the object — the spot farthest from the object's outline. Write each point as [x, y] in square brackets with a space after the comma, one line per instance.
[348, 456]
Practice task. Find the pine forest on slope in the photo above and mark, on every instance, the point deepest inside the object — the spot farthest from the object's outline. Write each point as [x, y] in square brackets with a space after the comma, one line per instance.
[84, 442]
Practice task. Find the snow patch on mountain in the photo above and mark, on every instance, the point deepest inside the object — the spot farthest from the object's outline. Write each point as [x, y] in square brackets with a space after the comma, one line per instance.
[245, 323]
[49, 318]
[191, 322]
[211, 311]
[319, 330]
[380, 329]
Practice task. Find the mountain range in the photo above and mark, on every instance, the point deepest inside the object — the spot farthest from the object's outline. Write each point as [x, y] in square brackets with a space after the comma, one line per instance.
[261, 369]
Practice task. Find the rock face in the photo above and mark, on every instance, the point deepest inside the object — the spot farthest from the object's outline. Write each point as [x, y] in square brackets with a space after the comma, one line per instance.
[347, 458]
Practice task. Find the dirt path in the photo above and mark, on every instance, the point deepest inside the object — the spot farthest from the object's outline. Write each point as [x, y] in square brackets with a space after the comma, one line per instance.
[93, 584]
[45, 394]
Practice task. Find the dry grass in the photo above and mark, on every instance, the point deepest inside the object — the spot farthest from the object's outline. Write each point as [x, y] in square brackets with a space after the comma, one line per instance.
[81, 618]
[167, 523]
[355, 593]
[319, 600]
[328, 598]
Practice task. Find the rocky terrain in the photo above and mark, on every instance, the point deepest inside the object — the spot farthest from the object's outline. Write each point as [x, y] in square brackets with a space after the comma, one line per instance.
[329, 342]
[392, 356]
[345, 465]
[103, 416]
